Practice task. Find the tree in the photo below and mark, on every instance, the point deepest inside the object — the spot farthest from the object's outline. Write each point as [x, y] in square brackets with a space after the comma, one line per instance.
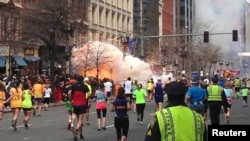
[51, 24]
[99, 56]
[203, 54]
[92, 58]
[81, 59]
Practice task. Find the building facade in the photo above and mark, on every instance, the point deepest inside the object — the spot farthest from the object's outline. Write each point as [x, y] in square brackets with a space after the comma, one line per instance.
[16, 57]
[184, 20]
[110, 21]
[146, 23]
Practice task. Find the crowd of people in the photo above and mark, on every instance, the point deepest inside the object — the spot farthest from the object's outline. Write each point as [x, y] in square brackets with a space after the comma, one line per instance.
[187, 101]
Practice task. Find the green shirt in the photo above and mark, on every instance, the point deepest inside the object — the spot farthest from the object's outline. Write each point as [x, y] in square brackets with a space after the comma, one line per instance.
[27, 102]
[140, 95]
[244, 92]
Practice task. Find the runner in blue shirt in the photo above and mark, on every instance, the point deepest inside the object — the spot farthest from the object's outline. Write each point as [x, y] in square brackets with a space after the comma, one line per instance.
[195, 97]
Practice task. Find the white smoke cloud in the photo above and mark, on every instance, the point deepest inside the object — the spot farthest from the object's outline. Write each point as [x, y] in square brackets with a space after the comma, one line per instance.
[225, 15]
[122, 67]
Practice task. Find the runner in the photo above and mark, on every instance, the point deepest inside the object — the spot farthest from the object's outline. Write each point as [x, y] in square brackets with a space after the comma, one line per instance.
[68, 104]
[101, 107]
[150, 86]
[15, 102]
[134, 87]
[245, 93]
[140, 100]
[78, 94]
[2, 99]
[38, 90]
[128, 89]
[229, 94]
[158, 94]
[120, 106]
[47, 96]
[108, 88]
[196, 96]
[27, 104]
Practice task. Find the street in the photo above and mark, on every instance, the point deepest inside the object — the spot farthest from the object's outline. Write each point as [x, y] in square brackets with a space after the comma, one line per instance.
[52, 125]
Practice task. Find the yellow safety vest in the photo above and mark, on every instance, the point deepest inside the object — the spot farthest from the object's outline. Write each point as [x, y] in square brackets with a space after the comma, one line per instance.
[237, 82]
[214, 93]
[90, 89]
[173, 127]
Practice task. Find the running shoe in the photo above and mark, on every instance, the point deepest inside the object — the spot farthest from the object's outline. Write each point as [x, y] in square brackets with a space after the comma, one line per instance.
[75, 135]
[104, 128]
[71, 129]
[34, 112]
[99, 129]
[141, 123]
[82, 138]
[25, 124]
[13, 124]
[69, 126]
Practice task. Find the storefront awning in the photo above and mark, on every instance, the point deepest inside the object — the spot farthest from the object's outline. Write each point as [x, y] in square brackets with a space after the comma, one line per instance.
[31, 58]
[19, 60]
[2, 61]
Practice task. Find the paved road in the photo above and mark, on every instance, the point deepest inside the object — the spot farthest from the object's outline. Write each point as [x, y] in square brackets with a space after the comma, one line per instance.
[51, 126]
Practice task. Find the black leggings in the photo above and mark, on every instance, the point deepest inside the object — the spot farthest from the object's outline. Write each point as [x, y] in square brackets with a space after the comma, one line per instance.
[121, 126]
[140, 111]
[98, 111]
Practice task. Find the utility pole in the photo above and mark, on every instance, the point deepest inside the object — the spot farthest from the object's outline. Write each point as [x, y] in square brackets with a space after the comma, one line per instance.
[141, 27]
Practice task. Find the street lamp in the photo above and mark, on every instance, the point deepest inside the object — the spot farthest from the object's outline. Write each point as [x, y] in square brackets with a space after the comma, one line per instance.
[184, 54]
[227, 64]
[214, 62]
[221, 64]
[245, 68]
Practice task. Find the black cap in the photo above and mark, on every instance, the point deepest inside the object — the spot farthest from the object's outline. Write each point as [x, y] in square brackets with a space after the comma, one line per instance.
[215, 79]
[79, 78]
[176, 89]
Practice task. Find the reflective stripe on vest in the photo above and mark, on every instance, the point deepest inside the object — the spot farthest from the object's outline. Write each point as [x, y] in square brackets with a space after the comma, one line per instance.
[173, 130]
[214, 93]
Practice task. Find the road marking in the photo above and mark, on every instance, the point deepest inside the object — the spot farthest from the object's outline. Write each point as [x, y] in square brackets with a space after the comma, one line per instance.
[19, 126]
[112, 125]
[92, 113]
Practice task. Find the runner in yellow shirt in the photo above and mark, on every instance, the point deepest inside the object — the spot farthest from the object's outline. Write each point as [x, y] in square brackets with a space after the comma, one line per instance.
[15, 99]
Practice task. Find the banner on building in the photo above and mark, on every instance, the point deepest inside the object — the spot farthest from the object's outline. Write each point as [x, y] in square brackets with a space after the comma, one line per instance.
[228, 73]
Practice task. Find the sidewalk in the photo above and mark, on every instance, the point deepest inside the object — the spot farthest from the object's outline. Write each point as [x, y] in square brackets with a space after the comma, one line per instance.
[8, 110]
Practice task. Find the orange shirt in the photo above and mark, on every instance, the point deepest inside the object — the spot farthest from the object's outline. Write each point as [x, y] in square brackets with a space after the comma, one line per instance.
[38, 90]
[16, 100]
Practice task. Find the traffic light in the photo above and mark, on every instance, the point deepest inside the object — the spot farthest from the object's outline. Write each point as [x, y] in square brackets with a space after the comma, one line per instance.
[235, 35]
[206, 36]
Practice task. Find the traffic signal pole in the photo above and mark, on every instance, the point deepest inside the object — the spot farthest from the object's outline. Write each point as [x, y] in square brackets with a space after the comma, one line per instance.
[180, 35]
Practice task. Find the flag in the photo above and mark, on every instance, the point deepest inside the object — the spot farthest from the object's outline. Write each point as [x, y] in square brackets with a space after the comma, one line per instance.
[131, 45]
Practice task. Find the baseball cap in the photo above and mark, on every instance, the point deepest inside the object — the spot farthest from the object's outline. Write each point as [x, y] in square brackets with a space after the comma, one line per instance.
[175, 88]
[206, 81]
[86, 79]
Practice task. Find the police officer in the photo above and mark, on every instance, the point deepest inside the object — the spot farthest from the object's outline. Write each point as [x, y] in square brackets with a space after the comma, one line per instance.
[176, 120]
[216, 99]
